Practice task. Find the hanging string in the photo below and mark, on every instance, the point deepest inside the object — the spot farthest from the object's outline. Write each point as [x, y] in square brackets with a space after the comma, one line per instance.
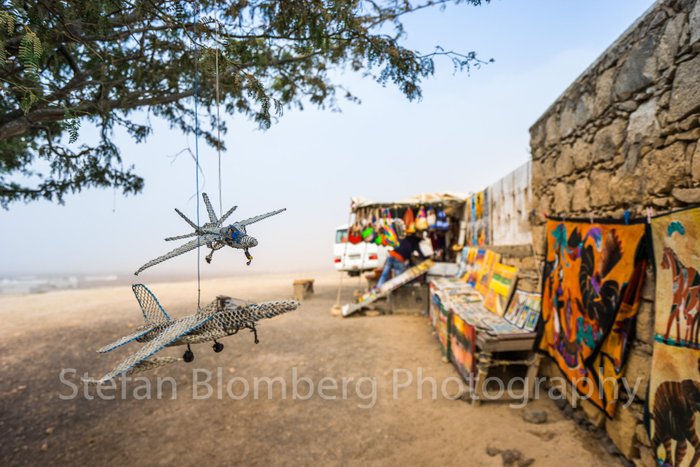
[196, 153]
[218, 117]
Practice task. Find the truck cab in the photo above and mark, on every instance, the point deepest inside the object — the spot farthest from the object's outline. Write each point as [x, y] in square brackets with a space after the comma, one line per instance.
[356, 258]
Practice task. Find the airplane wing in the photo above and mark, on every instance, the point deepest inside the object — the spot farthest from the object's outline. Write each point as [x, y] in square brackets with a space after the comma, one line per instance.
[225, 216]
[255, 219]
[210, 209]
[125, 340]
[180, 237]
[191, 245]
[173, 332]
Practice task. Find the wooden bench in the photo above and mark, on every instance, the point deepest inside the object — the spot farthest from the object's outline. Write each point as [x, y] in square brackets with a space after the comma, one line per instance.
[302, 288]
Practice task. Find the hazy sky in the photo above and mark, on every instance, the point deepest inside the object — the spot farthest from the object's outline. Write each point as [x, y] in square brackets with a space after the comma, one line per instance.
[466, 133]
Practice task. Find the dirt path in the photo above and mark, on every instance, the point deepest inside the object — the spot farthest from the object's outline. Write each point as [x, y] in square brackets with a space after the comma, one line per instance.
[41, 334]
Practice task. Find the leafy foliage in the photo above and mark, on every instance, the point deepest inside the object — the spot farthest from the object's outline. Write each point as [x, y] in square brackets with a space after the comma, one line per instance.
[63, 63]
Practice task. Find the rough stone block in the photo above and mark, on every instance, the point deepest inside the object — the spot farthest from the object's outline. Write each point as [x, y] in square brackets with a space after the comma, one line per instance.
[638, 71]
[646, 458]
[537, 132]
[593, 413]
[567, 121]
[603, 91]
[687, 195]
[544, 204]
[580, 200]
[538, 176]
[685, 97]
[694, 23]
[608, 140]
[669, 42]
[665, 168]
[562, 198]
[565, 163]
[583, 109]
[552, 129]
[637, 373]
[695, 167]
[642, 122]
[645, 323]
[626, 188]
[600, 188]
[581, 152]
[538, 239]
[643, 436]
[622, 430]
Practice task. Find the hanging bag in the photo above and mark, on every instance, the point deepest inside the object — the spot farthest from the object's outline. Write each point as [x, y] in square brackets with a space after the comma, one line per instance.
[421, 220]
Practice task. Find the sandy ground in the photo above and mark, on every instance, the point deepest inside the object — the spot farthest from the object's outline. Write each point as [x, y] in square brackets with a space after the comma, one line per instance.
[43, 334]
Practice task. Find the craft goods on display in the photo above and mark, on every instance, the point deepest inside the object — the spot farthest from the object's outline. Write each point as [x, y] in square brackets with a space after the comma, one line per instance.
[674, 386]
[501, 288]
[592, 279]
[214, 235]
[219, 319]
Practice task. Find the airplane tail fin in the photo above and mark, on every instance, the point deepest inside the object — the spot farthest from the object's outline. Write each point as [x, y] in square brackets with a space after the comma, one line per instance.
[153, 312]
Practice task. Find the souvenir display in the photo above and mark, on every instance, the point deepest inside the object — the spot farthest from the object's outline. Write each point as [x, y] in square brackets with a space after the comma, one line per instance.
[592, 279]
[674, 387]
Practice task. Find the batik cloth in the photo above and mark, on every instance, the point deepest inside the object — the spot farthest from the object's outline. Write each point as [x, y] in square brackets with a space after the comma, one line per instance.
[674, 387]
[592, 280]
[463, 346]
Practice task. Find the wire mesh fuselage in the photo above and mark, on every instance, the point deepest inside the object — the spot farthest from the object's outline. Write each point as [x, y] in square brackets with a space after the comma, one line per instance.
[226, 322]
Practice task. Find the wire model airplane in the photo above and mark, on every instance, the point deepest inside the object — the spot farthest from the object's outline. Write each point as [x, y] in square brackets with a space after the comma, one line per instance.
[213, 235]
[222, 317]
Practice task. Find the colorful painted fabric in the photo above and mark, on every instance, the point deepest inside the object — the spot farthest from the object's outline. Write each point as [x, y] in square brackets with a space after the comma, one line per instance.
[389, 237]
[524, 310]
[674, 386]
[477, 265]
[421, 220]
[478, 219]
[500, 288]
[485, 273]
[409, 220]
[592, 280]
[463, 347]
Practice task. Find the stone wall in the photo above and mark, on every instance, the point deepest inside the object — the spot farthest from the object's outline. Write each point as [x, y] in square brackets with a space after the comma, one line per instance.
[624, 136]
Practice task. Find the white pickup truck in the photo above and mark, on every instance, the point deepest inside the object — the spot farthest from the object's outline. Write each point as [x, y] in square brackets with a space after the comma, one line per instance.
[356, 258]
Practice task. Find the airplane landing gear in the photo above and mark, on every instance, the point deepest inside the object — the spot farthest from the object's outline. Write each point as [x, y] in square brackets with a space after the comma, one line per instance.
[209, 257]
[255, 333]
[218, 347]
[248, 256]
[188, 356]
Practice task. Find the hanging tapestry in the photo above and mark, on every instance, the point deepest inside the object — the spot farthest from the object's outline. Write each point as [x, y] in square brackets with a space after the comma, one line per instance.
[478, 232]
[463, 346]
[500, 288]
[674, 387]
[592, 279]
[477, 266]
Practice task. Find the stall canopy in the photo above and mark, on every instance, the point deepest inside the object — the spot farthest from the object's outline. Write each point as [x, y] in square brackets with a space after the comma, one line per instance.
[447, 200]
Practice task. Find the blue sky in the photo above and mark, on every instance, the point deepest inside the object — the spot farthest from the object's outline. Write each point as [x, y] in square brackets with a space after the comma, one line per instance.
[467, 132]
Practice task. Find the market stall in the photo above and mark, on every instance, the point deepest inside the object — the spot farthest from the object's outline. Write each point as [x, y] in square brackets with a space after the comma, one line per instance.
[483, 321]
[435, 221]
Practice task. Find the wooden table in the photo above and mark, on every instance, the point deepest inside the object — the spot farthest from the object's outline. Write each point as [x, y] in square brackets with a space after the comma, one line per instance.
[487, 345]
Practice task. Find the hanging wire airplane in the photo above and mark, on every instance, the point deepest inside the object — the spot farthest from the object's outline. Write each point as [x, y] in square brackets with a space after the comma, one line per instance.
[222, 317]
[213, 235]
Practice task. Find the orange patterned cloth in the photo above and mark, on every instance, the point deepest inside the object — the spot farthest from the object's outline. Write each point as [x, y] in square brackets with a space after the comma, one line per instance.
[592, 281]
